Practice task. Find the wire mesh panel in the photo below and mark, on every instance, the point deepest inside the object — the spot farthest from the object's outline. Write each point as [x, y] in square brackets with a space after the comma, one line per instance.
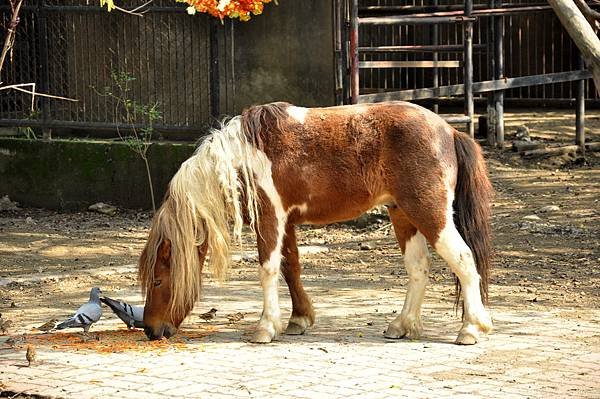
[76, 50]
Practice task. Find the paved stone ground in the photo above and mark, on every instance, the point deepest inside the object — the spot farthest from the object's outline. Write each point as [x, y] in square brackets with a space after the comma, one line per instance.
[534, 352]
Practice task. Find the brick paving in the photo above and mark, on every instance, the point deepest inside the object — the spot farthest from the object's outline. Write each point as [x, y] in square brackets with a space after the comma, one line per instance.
[534, 352]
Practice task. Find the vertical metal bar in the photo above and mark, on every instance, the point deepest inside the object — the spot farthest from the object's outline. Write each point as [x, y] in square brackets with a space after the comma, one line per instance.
[468, 68]
[499, 74]
[214, 68]
[434, 41]
[346, 50]
[337, 33]
[580, 107]
[491, 98]
[45, 73]
[355, 85]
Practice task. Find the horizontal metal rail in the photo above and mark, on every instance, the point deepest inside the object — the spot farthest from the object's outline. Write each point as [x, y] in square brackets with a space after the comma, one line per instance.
[413, 20]
[409, 64]
[448, 16]
[91, 8]
[478, 87]
[412, 9]
[419, 49]
[95, 125]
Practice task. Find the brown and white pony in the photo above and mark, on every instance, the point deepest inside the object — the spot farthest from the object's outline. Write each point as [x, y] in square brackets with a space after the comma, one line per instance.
[278, 165]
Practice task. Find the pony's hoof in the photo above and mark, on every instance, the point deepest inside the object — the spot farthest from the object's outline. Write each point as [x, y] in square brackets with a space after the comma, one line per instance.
[466, 338]
[294, 329]
[394, 333]
[261, 337]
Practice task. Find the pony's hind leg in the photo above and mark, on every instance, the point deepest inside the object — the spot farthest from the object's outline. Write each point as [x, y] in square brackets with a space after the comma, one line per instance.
[303, 314]
[270, 233]
[451, 246]
[416, 260]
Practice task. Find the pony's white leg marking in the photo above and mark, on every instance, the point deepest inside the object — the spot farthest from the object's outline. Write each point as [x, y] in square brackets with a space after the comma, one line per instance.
[269, 325]
[451, 246]
[270, 322]
[416, 261]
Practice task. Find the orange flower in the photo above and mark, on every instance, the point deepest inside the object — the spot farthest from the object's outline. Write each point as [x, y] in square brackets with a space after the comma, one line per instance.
[242, 9]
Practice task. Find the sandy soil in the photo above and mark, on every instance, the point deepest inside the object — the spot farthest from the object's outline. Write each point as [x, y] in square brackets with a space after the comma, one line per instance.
[49, 260]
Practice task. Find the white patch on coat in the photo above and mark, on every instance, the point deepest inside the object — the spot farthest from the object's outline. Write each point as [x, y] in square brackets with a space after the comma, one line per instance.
[301, 208]
[297, 113]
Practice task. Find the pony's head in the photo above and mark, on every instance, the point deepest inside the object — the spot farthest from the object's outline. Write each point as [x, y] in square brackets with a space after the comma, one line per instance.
[205, 205]
[170, 271]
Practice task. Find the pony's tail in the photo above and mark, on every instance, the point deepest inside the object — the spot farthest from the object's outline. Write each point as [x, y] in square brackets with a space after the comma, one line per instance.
[472, 211]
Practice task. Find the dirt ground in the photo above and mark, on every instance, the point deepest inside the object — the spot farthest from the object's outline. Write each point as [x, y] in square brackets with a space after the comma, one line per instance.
[545, 259]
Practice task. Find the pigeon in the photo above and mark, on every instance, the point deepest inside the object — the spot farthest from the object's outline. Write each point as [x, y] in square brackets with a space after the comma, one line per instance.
[30, 355]
[209, 315]
[86, 315]
[133, 316]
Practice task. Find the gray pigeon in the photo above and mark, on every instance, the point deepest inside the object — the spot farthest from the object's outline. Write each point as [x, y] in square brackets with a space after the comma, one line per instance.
[133, 316]
[86, 315]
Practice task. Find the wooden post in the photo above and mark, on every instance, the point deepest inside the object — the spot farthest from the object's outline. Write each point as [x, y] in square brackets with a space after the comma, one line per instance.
[499, 74]
[580, 107]
[582, 34]
[354, 76]
[468, 68]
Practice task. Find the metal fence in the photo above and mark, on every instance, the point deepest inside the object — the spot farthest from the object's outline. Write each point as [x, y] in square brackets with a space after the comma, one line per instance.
[534, 43]
[73, 49]
[70, 48]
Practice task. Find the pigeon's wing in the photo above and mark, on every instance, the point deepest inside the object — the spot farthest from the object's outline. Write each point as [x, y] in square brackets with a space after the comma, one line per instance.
[133, 316]
[89, 313]
[138, 316]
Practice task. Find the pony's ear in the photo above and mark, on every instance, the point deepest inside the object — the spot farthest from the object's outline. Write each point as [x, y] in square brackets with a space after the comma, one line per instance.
[164, 250]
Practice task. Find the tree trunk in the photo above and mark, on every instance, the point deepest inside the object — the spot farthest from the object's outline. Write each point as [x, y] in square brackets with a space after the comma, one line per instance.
[582, 34]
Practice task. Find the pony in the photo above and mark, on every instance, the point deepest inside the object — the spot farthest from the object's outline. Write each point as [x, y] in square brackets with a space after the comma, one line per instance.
[277, 165]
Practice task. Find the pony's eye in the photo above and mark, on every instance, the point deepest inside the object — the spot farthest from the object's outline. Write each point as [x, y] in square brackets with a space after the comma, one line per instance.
[157, 283]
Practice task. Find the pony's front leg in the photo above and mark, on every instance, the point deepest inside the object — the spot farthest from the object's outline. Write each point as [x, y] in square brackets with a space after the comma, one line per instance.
[270, 232]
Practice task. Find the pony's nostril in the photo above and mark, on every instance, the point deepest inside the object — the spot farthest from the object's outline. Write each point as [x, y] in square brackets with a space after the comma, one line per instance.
[151, 335]
[170, 330]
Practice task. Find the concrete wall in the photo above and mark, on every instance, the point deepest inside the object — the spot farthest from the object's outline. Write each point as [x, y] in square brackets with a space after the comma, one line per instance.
[286, 54]
[75, 174]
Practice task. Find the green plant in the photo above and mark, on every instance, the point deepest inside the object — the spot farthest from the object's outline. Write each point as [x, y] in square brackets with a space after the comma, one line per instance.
[27, 132]
[139, 119]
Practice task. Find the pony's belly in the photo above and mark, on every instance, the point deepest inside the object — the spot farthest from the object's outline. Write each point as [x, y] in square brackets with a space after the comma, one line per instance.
[333, 211]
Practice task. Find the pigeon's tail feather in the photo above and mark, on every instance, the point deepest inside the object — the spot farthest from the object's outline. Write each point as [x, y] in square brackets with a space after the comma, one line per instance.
[69, 323]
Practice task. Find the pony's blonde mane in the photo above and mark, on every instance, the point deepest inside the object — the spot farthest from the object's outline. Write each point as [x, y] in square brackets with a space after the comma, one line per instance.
[207, 200]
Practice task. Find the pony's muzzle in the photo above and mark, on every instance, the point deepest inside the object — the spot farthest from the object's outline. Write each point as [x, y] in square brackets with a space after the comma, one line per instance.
[166, 331]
